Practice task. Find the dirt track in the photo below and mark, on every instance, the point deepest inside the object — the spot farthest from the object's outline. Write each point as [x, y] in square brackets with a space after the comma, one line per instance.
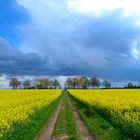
[47, 130]
[83, 132]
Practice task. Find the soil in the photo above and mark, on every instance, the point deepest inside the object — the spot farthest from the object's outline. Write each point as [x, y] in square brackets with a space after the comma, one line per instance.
[63, 137]
[83, 131]
[46, 131]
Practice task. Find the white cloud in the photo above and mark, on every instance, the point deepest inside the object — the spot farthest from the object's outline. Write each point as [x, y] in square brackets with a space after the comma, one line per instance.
[43, 11]
[61, 79]
[136, 53]
[96, 7]
[136, 50]
[75, 44]
[4, 81]
[92, 6]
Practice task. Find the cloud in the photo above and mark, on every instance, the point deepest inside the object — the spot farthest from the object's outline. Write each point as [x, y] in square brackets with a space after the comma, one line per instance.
[4, 81]
[97, 7]
[76, 37]
[13, 61]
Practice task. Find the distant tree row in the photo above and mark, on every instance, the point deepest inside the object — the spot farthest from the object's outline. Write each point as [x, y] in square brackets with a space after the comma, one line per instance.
[131, 85]
[85, 82]
[14, 83]
[45, 83]
[42, 83]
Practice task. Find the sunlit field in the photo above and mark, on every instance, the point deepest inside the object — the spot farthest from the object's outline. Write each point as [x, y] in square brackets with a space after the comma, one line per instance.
[121, 107]
[23, 112]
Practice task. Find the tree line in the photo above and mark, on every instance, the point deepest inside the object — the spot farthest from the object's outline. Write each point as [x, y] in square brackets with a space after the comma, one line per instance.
[42, 83]
[45, 83]
[85, 82]
[79, 82]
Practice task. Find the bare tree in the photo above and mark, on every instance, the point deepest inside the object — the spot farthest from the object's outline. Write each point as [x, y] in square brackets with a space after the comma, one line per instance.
[83, 82]
[56, 83]
[95, 82]
[107, 84]
[14, 83]
[44, 82]
[75, 82]
[27, 83]
[51, 84]
[69, 83]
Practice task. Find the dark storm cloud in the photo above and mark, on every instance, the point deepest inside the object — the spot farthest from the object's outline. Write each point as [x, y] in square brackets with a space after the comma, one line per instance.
[79, 44]
[13, 61]
[59, 42]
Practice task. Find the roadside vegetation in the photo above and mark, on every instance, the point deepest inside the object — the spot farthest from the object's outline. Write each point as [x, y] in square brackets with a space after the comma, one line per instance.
[65, 126]
[113, 112]
[23, 113]
[108, 114]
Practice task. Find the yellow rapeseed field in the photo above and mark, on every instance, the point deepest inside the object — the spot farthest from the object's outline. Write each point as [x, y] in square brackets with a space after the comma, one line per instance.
[17, 105]
[119, 106]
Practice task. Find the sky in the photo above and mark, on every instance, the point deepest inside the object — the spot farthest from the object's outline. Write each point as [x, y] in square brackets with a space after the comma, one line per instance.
[70, 37]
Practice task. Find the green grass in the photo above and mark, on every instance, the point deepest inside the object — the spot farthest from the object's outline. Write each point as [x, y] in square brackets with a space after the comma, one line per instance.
[65, 124]
[28, 130]
[120, 107]
[98, 126]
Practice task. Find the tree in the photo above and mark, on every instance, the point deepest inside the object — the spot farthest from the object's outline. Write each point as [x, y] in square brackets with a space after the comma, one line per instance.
[83, 82]
[107, 84]
[69, 83]
[130, 85]
[27, 84]
[75, 82]
[14, 83]
[44, 83]
[56, 83]
[36, 84]
[95, 82]
[51, 83]
[72, 82]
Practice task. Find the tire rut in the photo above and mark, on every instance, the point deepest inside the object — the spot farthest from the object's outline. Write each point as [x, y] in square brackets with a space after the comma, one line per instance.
[83, 131]
[47, 130]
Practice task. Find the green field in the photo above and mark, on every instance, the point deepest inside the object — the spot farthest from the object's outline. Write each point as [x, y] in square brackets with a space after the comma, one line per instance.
[120, 107]
[24, 112]
[65, 124]
[112, 114]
